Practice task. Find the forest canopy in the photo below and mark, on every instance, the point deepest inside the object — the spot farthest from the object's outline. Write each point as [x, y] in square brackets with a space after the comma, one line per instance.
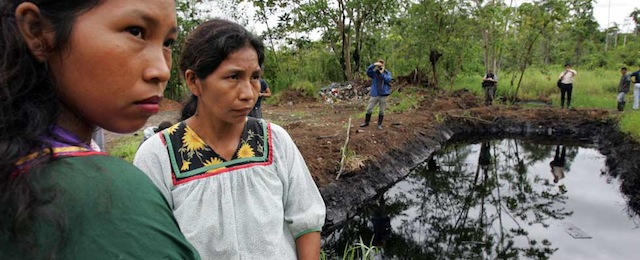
[440, 40]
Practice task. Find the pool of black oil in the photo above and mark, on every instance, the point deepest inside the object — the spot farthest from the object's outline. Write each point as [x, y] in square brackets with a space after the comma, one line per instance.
[497, 199]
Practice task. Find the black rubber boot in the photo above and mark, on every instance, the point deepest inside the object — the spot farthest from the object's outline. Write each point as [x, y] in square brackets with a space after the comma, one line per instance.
[367, 118]
[380, 118]
[622, 105]
[619, 106]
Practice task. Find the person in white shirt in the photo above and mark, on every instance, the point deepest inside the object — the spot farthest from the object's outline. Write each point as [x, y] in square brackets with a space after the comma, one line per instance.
[566, 84]
[636, 88]
[238, 185]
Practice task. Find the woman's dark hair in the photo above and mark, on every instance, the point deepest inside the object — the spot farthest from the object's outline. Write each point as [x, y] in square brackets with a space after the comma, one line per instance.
[208, 46]
[28, 111]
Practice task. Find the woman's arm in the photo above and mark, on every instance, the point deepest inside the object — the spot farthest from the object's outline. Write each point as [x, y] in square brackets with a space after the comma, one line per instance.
[308, 246]
[266, 93]
[304, 209]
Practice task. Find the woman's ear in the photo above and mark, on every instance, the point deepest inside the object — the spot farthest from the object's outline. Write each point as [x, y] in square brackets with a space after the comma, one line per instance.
[193, 82]
[33, 29]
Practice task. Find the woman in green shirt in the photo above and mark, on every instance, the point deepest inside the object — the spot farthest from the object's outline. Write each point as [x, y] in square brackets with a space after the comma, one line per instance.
[61, 199]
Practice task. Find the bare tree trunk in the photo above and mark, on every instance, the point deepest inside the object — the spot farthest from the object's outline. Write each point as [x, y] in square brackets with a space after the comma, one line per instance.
[527, 58]
[347, 56]
[360, 17]
[434, 56]
[485, 37]
[344, 55]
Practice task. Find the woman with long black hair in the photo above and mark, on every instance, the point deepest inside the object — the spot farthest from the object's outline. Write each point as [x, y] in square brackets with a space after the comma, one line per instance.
[66, 68]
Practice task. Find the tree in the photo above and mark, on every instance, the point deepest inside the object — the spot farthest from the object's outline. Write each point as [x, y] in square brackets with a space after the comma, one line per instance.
[635, 16]
[188, 17]
[534, 19]
[438, 33]
[343, 24]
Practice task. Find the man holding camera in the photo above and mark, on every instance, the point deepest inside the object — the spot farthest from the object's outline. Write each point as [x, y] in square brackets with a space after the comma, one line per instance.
[380, 89]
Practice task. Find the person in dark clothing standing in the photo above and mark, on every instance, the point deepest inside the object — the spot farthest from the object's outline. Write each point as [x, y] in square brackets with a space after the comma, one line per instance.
[381, 222]
[264, 92]
[484, 159]
[623, 88]
[489, 86]
[380, 89]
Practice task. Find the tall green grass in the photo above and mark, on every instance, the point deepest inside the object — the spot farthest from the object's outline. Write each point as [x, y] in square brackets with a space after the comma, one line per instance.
[357, 251]
[629, 123]
[591, 88]
[595, 88]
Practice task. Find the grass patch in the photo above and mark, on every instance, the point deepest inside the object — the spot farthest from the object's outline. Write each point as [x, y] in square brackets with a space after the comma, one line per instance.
[305, 88]
[398, 102]
[357, 251]
[125, 147]
[629, 122]
[597, 88]
[407, 100]
[591, 88]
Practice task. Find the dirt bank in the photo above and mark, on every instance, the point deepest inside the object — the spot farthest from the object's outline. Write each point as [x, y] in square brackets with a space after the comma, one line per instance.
[377, 159]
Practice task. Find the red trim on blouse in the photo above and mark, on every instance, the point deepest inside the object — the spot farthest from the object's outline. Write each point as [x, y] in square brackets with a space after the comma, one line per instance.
[233, 168]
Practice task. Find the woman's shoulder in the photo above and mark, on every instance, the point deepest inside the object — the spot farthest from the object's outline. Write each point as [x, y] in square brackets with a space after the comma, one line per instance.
[105, 196]
[83, 173]
[276, 131]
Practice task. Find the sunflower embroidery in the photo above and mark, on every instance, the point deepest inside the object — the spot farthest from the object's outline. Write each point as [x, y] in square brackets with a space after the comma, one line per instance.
[191, 156]
[246, 151]
[185, 165]
[212, 161]
[191, 142]
[172, 129]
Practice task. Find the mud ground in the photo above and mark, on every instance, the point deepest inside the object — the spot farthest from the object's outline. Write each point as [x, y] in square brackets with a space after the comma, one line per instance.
[376, 159]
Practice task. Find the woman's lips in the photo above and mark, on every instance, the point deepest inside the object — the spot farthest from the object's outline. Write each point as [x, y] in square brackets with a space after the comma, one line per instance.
[150, 105]
[243, 110]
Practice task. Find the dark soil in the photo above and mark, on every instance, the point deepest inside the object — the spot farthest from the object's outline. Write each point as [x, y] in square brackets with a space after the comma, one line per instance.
[377, 158]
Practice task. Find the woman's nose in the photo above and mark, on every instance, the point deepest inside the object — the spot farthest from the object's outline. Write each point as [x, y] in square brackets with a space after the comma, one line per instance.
[158, 68]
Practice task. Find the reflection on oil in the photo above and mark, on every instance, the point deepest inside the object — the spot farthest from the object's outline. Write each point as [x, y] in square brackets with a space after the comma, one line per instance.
[557, 164]
[503, 199]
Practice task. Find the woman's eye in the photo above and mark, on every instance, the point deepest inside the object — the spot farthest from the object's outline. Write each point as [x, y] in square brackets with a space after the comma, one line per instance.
[135, 31]
[169, 43]
[234, 76]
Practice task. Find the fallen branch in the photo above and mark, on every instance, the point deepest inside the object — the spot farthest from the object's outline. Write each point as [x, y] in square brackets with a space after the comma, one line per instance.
[344, 150]
[328, 136]
[471, 118]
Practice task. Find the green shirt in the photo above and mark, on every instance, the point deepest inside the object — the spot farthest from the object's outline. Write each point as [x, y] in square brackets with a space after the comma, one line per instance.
[110, 210]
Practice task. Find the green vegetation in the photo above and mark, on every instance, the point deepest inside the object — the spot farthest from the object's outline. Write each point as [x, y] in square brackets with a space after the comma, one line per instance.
[399, 102]
[125, 147]
[358, 251]
[307, 88]
[595, 88]
[450, 44]
[304, 87]
[441, 39]
[629, 123]
[404, 101]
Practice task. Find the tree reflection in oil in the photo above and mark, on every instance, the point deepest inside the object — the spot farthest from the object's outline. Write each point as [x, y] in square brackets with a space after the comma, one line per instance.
[465, 204]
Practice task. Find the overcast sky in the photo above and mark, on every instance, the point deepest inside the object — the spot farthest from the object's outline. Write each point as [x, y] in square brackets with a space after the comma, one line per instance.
[609, 11]
[605, 12]
[619, 11]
